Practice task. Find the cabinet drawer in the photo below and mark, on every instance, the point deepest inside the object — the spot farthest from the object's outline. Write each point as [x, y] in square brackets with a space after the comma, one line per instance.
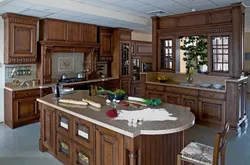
[63, 123]
[83, 132]
[191, 92]
[63, 149]
[214, 95]
[155, 87]
[82, 155]
[26, 93]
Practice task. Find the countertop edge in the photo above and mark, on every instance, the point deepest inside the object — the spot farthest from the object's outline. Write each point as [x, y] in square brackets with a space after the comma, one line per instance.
[121, 131]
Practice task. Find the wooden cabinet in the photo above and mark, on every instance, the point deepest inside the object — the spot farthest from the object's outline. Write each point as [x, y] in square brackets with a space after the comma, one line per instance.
[53, 30]
[133, 48]
[89, 33]
[212, 111]
[112, 84]
[143, 48]
[64, 149]
[45, 91]
[173, 98]
[106, 41]
[74, 32]
[82, 155]
[21, 107]
[48, 128]
[47, 62]
[108, 145]
[125, 85]
[135, 89]
[63, 123]
[20, 34]
[191, 102]
[156, 94]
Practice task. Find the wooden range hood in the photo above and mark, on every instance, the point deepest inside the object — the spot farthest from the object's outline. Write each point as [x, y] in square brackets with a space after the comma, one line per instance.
[63, 36]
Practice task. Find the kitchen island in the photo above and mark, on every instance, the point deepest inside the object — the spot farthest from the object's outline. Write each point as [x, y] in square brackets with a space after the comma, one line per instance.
[85, 135]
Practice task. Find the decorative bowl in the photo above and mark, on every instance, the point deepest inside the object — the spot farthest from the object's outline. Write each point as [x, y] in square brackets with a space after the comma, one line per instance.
[217, 86]
[205, 85]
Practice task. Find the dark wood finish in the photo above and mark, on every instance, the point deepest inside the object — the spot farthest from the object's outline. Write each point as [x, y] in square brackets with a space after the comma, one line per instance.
[112, 84]
[212, 94]
[155, 87]
[78, 148]
[207, 22]
[74, 32]
[45, 91]
[143, 85]
[48, 128]
[191, 102]
[21, 107]
[133, 48]
[89, 33]
[60, 154]
[173, 98]
[212, 111]
[86, 142]
[59, 127]
[185, 91]
[152, 94]
[108, 146]
[106, 41]
[20, 34]
[219, 154]
[125, 84]
[143, 48]
[135, 89]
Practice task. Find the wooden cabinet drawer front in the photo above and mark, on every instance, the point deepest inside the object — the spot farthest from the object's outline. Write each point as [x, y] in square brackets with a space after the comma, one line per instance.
[156, 94]
[191, 92]
[214, 95]
[63, 149]
[27, 93]
[83, 132]
[82, 155]
[63, 123]
[155, 87]
[46, 91]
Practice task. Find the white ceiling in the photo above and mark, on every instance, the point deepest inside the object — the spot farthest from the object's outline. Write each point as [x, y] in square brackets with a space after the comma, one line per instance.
[133, 14]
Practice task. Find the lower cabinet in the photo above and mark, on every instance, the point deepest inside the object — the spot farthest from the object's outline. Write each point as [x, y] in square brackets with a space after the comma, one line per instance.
[173, 98]
[156, 94]
[82, 155]
[191, 102]
[135, 90]
[64, 149]
[107, 143]
[212, 110]
[125, 85]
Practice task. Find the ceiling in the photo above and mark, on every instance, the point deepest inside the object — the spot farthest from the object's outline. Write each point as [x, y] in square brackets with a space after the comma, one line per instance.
[133, 14]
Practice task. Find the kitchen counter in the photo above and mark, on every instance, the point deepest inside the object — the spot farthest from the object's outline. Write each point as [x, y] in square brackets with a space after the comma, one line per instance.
[98, 116]
[11, 88]
[70, 130]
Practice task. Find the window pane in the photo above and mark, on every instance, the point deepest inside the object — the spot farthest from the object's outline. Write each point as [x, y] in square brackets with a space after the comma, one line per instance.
[215, 58]
[225, 40]
[219, 58]
[169, 42]
[166, 43]
[225, 59]
[225, 67]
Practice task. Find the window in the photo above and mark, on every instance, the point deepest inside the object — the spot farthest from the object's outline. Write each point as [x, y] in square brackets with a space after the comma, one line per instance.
[167, 54]
[220, 53]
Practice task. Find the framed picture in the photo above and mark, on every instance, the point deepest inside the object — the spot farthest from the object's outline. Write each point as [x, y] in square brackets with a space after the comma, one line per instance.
[65, 63]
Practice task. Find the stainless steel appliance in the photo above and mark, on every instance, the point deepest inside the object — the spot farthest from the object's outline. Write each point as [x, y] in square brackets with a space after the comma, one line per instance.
[146, 67]
[70, 80]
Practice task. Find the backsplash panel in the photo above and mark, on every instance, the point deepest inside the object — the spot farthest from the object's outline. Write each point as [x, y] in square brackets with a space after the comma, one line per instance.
[68, 63]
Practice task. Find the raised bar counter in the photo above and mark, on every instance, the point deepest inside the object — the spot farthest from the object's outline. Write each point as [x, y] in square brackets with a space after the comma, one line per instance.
[110, 141]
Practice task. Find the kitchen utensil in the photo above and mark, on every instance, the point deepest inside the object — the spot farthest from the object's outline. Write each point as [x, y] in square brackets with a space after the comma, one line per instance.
[64, 76]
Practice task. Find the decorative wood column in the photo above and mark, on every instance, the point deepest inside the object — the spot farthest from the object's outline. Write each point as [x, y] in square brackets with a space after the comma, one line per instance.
[155, 27]
[132, 158]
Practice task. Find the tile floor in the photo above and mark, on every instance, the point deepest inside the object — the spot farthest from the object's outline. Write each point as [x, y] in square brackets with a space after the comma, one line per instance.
[20, 146]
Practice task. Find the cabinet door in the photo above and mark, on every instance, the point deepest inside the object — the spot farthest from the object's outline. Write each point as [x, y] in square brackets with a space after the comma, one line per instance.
[191, 102]
[143, 48]
[48, 126]
[25, 109]
[156, 94]
[22, 40]
[172, 98]
[125, 85]
[63, 123]
[125, 59]
[109, 145]
[82, 155]
[135, 90]
[106, 44]
[74, 32]
[212, 111]
[63, 149]
[89, 33]
[136, 68]
[83, 133]
[56, 30]
[47, 69]
[133, 48]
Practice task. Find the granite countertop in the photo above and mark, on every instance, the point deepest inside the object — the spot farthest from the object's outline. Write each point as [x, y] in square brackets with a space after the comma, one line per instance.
[11, 88]
[185, 118]
[177, 84]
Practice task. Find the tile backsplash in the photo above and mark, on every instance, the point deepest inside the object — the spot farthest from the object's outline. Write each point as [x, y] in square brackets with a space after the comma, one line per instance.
[68, 63]
[9, 69]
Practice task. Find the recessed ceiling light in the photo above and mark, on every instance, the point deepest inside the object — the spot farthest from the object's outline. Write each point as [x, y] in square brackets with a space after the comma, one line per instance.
[193, 10]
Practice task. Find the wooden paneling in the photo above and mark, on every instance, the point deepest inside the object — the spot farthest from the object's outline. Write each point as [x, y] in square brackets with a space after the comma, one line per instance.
[212, 95]
[74, 32]
[64, 155]
[212, 110]
[63, 123]
[143, 48]
[135, 89]
[221, 17]
[20, 35]
[125, 84]
[155, 94]
[26, 93]
[155, 87]
[185, 91]
[168, 23]
[173, 98]
[192, 20]
[106, 41]
[89, 33]
[81, 151]
[48, 126]
[55, 30]
[191, 102]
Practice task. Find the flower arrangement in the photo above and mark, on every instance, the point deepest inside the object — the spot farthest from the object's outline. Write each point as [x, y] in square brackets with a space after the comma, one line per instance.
[162, 78]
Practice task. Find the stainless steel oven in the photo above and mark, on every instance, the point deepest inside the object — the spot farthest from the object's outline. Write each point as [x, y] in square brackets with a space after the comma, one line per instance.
[146, 67]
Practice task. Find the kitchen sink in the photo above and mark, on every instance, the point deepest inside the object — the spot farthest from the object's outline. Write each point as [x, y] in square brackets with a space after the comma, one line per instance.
[186, 84]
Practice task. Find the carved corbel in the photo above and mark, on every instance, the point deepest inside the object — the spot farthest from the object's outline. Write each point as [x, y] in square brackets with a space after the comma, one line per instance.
[48, 50]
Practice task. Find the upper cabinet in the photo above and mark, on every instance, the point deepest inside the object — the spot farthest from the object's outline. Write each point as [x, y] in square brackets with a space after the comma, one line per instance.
[20, 34]
[59, 30]
[106, 44]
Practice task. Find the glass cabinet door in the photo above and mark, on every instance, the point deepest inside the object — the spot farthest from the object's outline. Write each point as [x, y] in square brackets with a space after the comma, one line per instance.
[125, 56]
[167, 54]
[136, 69]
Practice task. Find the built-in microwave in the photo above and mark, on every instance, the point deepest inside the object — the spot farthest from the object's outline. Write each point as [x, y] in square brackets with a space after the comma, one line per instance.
[146, 67]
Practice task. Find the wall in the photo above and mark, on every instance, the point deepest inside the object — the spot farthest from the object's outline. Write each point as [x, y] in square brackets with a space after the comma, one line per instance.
[139, 36]
[2, 70]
